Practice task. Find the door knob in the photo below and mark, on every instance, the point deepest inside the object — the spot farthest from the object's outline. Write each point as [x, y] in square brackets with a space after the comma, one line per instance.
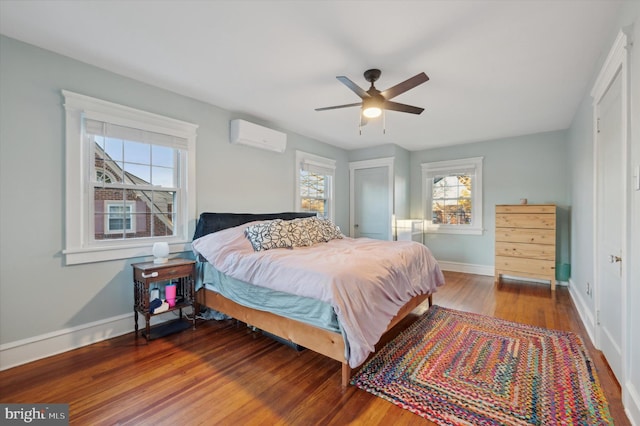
[614, 259]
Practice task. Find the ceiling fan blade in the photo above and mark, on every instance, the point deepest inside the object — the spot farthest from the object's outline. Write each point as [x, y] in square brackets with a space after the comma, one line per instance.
[394, 106]
[351, 85]
[408, 84]
[339, 106]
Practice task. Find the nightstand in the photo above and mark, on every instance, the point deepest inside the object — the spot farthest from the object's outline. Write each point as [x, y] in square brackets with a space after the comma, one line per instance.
[179, 271]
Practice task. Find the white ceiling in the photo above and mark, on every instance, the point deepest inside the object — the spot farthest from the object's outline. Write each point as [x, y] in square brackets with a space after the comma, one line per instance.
[496, 68]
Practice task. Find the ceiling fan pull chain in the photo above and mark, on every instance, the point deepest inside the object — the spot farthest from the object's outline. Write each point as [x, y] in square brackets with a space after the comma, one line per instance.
[384, 123]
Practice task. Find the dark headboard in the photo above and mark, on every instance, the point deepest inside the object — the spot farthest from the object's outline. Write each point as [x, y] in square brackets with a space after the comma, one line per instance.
[213, 222]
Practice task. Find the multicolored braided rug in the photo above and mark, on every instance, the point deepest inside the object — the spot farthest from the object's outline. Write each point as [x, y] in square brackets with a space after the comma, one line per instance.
[458, 368]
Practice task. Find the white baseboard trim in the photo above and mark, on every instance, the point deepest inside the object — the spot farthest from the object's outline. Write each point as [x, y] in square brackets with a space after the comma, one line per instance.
[466, 268]
[487, 270]
[20, 352]
[631, 403]
[586, 316]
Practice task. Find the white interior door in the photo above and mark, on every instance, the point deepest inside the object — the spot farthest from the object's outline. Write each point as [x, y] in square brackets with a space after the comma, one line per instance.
[610, 160]
[371, 203]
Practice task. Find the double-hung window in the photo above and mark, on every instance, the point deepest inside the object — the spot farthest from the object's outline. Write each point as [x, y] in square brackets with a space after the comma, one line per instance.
[130, 180]
[315, 178]
[453, 196]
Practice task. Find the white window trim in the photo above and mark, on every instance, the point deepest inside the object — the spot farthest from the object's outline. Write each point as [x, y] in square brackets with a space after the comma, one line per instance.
[305, 157]
[77, 248]
[476, 228]
[107, 214]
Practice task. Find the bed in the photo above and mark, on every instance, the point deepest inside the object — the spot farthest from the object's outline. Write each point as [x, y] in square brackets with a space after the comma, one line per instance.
[271, 271]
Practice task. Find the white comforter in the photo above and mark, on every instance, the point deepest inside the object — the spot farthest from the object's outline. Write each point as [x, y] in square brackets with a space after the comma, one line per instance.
[366, 281]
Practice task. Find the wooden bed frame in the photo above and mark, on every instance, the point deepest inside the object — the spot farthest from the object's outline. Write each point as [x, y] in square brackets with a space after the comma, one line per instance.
[325, 342]
[328, 343]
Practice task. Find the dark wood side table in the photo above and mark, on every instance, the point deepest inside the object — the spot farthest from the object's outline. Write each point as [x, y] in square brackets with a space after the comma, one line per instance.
[182, 273]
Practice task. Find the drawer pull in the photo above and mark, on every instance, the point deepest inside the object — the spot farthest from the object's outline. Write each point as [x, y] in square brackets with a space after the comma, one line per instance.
[151, 275]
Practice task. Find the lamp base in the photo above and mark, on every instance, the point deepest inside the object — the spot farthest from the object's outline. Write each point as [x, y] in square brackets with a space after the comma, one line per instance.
[160, 260]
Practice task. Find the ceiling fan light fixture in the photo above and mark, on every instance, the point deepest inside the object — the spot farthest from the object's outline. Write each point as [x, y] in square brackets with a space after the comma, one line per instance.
[371, 112]
[371, 108]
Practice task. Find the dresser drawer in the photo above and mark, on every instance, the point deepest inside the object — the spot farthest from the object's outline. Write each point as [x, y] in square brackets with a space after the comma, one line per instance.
[530, 251]
[537, 221]
[163, 273]
[506, 265]
[526, 235]
[526, 208]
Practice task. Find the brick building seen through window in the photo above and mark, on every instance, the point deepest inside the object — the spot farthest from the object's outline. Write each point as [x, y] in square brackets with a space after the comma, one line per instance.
[122, 213]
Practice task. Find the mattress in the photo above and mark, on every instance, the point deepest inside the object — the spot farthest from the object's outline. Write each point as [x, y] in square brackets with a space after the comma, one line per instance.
[303, 309]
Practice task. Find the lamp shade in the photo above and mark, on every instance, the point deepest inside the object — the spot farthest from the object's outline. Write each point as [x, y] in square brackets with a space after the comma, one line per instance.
[372, 107]
[372, 112]
[160, 251]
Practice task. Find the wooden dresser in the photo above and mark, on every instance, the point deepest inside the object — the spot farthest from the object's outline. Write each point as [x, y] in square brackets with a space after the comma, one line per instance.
[526, 241]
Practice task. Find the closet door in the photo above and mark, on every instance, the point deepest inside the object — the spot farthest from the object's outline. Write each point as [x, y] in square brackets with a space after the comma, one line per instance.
[610, 222]
[371, 199]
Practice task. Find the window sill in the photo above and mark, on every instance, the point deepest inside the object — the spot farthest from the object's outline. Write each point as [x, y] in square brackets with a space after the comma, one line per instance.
[102, 254]
[457, 230]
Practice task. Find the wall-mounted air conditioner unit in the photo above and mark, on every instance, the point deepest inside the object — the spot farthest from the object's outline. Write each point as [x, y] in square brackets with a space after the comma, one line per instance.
[245, 133]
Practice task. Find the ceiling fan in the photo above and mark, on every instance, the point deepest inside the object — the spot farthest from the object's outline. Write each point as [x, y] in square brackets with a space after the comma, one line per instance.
[374, 101]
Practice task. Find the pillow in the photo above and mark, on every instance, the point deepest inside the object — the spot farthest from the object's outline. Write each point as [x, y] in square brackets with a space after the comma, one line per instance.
[269, 235]
[299, 232]
[313, 230]
[326, 230]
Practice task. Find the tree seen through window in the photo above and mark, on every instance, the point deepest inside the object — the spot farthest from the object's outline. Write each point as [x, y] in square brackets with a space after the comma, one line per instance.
[451, 198]
[313, 192]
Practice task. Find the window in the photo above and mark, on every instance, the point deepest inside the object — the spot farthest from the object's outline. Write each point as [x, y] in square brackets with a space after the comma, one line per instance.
[118, 218]
[128, 172]
[315, 184]
[453, 196]
[129, 176]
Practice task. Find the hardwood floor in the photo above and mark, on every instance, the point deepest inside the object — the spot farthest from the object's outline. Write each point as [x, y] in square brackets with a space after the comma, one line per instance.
[224, 373]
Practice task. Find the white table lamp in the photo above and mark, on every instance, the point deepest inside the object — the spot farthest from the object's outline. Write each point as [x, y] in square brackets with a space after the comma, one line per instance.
[160, 252]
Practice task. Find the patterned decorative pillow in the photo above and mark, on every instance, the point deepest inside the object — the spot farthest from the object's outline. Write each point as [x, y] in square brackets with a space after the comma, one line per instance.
[314, 229]
[269, 235]
[300, 231]
[327, 230]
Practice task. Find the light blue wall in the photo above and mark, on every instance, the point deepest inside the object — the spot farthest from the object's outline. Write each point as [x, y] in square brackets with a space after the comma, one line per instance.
[402, 171]
[533, 167]
[581, 180]
[38, 294]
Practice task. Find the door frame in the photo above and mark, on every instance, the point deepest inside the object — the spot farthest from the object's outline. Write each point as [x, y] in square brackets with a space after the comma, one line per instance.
[387, 162]
[617, 62]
